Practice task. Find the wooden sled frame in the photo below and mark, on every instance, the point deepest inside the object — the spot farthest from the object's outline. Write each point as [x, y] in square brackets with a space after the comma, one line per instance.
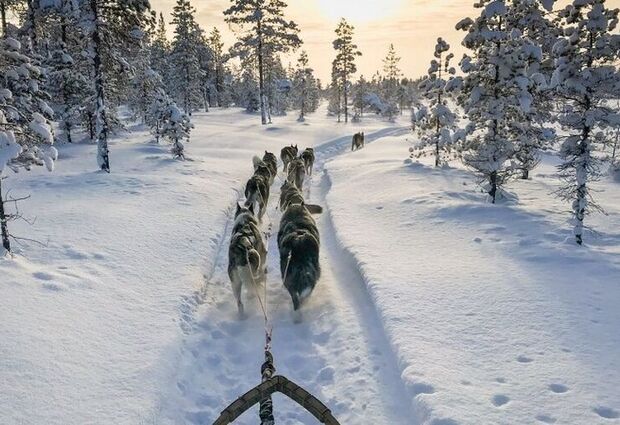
[282, 385]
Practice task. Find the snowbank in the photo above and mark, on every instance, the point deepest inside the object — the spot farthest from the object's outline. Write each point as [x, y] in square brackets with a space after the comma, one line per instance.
[495, 315]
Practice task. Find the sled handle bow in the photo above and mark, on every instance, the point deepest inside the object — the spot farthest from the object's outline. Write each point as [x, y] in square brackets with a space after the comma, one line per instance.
[282, 385]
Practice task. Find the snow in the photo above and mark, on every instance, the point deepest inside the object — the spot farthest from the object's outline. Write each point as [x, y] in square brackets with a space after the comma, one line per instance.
[105, 322]
[494, 315]
[434, 307]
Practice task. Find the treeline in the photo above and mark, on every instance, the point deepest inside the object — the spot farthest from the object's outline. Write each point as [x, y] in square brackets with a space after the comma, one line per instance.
[529, 71]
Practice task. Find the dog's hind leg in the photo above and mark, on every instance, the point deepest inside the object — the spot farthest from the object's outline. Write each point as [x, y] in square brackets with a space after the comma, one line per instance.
[237, 285]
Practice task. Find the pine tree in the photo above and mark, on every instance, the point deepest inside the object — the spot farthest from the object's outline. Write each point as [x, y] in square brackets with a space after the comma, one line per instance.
[344, 64]
[436, 124]
[26, 135]
[263, 33]
[176, 128]
[113, 26]
[305, 92]
[160, 51]
[187, 75]
[218, 60]
[495, 94]
[585, 79]
[360, 91]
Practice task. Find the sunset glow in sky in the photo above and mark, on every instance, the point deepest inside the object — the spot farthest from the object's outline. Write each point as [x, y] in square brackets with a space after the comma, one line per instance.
[412, 25]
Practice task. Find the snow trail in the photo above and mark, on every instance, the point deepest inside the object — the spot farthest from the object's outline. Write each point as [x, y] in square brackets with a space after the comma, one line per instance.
[339, 352]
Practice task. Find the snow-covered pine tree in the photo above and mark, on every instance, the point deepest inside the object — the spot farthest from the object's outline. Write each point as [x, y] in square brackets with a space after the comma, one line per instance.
[585, 79]
[26, 135]
[66, 83]
[529, 19]
[113, 27]
[305, 92]
[184, 58]
[495, 94]
[334, 94]
[218, 60]
[344, 63]
[392, 74]
[176, 129]
[263, 33]
[360, 91]
[246, 93]
[160, 50]
[157, 113]
[436, 123]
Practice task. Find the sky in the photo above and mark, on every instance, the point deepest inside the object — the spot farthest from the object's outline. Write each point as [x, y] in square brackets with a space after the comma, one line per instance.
[411, 25]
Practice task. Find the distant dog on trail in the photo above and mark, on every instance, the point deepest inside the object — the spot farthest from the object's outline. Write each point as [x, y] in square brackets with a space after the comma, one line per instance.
[257, 191]
[247, 254]
[267, 166]
[291, 195]
[299, 243]
[296, 172]
[287, 154]
[307, 157]
[358, 141]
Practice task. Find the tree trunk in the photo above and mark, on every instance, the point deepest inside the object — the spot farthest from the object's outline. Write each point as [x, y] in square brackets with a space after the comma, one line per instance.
[261, 78]
[346, 98]
[6, 242]
[65, 93]
[3, 17]
[101, 121]
[493, 190]
[526, 174]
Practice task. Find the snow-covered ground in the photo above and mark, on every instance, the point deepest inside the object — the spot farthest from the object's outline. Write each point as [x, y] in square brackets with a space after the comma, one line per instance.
[494, 314]
[94, 326]
[434, 307]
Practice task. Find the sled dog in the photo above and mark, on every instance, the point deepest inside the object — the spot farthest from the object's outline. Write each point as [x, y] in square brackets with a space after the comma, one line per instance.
[298, 243]
[267, 166]
[358, 141]
[308, 157]
[291, 195]
[247, 254]
[296, 173]
[257, 191]
[287, 154]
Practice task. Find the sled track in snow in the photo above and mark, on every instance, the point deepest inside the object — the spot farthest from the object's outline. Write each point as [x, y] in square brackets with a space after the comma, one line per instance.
[339, 352]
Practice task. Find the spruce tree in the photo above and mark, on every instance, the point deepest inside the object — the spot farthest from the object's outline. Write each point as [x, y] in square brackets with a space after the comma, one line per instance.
[113, 27]
[185, 81]
[436, 123]
[305, 92]
[586, 79]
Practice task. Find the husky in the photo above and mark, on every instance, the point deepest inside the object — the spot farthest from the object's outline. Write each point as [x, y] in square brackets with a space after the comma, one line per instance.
[272, 162]
[267, 166]
[287, 154]
[308, 157]
[291, 195]
[358, 141]
[257, 191]
[298, 243]
[296, 173]
[247, 254]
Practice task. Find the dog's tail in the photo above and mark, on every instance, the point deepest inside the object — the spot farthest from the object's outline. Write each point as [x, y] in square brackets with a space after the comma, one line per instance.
[300, 265]
[314, 209]
[256, 161]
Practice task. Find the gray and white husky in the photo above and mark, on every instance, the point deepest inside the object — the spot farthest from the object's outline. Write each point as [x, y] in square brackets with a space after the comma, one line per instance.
[291, 195]
[296, 172]
[287, 154]
[268, 162]
[257, 191]
[247, 254]
[298, 243]
[307, 156]
[358, 141]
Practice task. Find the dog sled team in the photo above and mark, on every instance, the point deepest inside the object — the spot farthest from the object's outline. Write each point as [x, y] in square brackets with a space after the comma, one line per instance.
[298, 236]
